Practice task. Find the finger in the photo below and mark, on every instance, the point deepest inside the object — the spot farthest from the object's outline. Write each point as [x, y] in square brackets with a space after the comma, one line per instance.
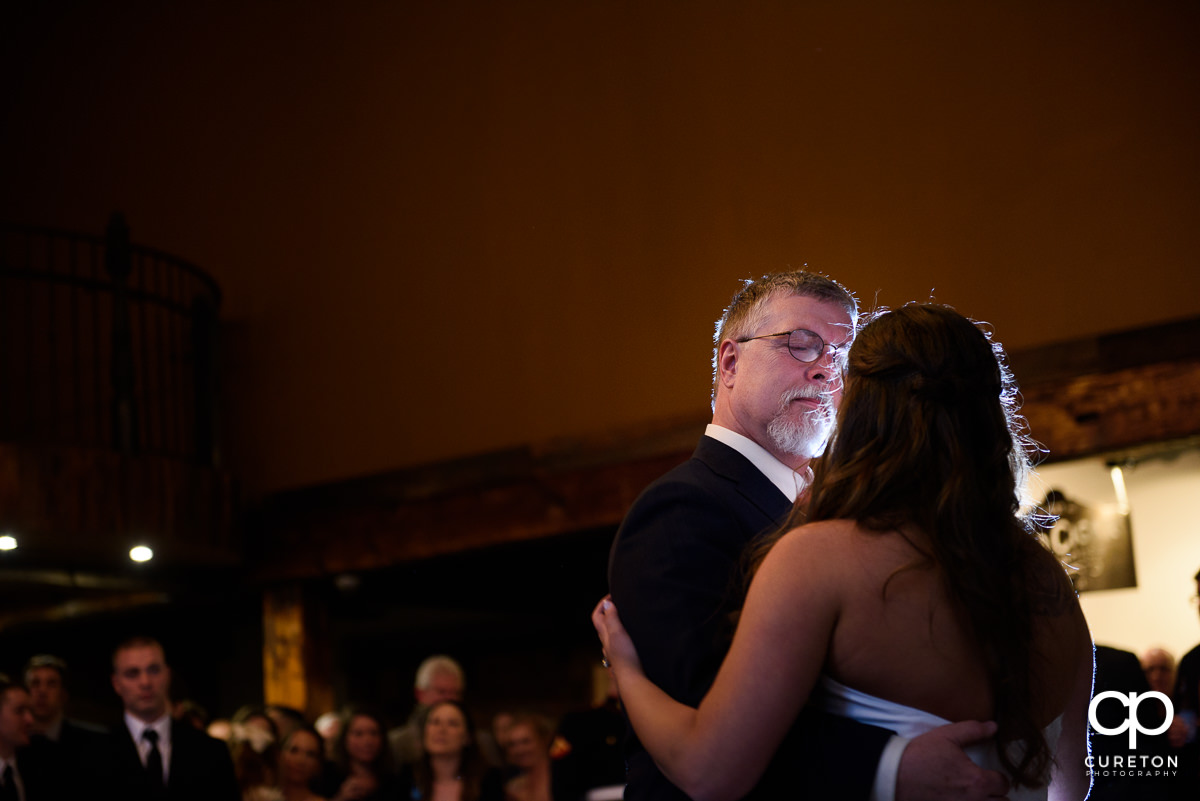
[600, 623]
[609, 609]
[598, 612]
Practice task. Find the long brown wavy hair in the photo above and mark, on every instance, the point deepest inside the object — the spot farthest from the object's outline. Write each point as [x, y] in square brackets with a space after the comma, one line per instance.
[471, 765]
[928, 436]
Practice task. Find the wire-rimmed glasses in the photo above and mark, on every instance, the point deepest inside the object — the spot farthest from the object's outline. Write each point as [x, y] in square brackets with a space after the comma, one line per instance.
[806, 346]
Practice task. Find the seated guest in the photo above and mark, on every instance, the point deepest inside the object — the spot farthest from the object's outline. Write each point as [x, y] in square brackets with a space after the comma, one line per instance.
[362, 760]
[529, 752]
[151, 756]
[301, 757]
[450, 767]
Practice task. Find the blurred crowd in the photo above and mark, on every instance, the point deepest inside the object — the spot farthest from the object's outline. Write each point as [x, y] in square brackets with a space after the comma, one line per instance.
[165, 750]
[172, 749]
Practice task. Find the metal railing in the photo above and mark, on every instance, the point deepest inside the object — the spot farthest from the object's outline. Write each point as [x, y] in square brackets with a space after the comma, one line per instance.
[105, 344]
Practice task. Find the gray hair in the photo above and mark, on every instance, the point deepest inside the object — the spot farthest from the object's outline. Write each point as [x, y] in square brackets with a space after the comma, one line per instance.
[439, 663]
[744, 313]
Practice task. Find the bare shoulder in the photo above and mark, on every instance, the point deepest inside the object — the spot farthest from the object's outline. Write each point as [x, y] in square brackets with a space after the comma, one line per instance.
[821, 551]
[848, 546]
[824, 540]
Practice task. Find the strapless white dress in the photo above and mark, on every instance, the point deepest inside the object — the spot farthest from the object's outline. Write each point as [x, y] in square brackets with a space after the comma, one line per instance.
[907, 721]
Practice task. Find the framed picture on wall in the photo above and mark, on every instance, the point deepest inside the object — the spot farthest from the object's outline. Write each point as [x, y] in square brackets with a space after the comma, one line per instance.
[1088, 527]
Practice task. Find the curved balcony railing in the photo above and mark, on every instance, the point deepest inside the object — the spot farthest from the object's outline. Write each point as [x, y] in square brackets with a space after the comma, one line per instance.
[105, 344]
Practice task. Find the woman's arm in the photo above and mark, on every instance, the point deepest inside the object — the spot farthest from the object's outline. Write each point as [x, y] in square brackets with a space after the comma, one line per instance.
[720, 750]
[1070, 780]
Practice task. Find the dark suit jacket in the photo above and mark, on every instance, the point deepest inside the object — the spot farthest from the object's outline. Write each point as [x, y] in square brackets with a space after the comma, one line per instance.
[1120, 671]
[1187, 700]
[675, 576]
[63, 768]
[200, 768]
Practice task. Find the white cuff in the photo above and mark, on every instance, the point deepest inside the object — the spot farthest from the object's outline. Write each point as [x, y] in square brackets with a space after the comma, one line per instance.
[884, 788]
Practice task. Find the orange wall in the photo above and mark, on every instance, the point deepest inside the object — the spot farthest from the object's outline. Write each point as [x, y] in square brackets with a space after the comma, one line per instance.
[444, 228]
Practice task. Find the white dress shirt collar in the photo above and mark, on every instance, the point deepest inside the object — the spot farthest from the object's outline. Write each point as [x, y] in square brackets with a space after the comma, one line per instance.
[137, 728]
[16, 774]
[789, 481]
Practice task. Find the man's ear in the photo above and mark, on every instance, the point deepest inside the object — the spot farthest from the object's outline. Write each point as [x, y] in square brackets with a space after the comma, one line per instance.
[727, 362]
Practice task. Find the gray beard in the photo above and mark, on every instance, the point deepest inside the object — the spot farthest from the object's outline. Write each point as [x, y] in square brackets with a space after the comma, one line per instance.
[804, 438]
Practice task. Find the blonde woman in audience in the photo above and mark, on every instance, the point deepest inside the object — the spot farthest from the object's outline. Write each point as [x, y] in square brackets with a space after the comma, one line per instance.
[450, 767]
[254, 749]
[529, 752]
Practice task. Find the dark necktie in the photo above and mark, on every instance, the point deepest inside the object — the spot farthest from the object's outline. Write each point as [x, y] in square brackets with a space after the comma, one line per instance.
[8, 792]
[154, 765]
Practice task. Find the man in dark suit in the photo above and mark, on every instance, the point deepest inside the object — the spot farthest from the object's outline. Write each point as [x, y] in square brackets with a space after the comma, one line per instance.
[151, 756]
[22, 777]
[1187, 709]
[16, 725]
[61, 748]
[674, 569]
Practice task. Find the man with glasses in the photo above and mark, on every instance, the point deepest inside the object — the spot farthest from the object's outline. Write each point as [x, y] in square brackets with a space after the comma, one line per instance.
[675, 565]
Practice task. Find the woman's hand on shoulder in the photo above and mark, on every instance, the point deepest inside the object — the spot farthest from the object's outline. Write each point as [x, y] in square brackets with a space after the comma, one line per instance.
[619, 651]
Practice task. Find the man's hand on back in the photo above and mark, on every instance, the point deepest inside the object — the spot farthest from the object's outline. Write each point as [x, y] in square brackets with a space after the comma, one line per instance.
[935, 767]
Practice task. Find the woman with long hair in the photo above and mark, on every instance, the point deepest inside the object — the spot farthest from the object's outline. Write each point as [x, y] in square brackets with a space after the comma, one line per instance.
[528, 750]
[906, 591]
[362, 759]
[301, 757]
[254, 748]
[450, 767]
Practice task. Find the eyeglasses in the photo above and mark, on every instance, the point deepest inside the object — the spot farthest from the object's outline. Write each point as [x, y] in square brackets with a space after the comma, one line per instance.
[806, 346]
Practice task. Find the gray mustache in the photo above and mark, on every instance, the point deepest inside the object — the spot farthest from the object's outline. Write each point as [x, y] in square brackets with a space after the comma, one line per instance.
[796, 393]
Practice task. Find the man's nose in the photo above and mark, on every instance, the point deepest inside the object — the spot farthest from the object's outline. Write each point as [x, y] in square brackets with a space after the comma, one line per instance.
[822, 369]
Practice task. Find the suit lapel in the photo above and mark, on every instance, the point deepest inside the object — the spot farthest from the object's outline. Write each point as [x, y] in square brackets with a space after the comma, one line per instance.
[749, 481]
[176, 762]
[127, 746]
